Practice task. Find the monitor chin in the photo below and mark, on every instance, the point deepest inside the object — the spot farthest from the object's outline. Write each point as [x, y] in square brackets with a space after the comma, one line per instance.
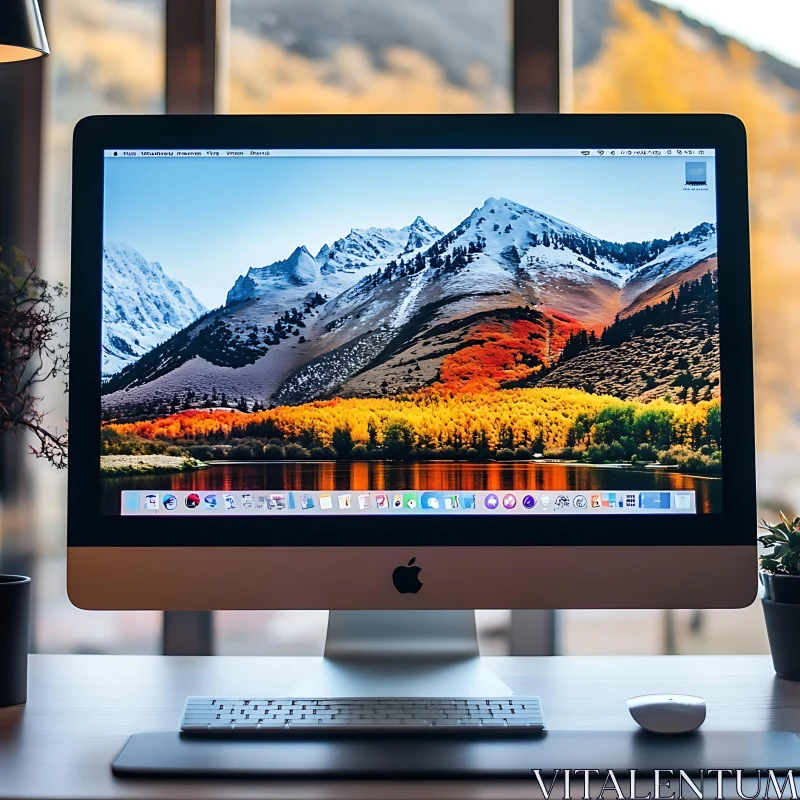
[359, 578]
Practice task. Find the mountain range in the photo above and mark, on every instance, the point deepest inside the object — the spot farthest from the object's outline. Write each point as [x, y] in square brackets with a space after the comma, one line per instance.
[142, 306]
[383, 310]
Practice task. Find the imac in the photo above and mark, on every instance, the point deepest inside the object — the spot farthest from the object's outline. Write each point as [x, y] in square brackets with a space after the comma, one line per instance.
[382, 365]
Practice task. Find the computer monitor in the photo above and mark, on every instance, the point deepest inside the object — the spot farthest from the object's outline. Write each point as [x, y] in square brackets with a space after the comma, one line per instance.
[411, 363]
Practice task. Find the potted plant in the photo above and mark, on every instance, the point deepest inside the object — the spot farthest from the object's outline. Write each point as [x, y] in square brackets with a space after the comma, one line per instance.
[33, 349]
[780, 577]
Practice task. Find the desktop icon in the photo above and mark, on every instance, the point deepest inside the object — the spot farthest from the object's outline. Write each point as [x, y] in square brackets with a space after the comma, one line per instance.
[529, 501]
[131, 501]
[579, 501]
[169, 501]
[596, 501]
[696, 174]
[410, 499]
[276, 502]
[261, 501]
[630, 500]
[325, 502]
[683, 502]
[306, 501]
[545, 501]
[381, 501]
[491, 501]
[210, 501]
[451, 502]
[151, 502]
[397, 501]
[468, 500]
[363, 501]
[429, 500]
[509, 501]
[230, 502]
[247, 501]
[344, 501]
[562, 501]
[192, 500]
[654, 500]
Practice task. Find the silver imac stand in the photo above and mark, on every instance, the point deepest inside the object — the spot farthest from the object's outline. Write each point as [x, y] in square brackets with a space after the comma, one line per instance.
[401, 654]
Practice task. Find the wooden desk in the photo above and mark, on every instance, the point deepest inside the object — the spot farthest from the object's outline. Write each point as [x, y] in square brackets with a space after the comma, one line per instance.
[81, 709]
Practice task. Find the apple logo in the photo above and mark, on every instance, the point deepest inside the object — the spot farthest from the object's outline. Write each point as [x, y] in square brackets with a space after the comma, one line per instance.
[406, 579]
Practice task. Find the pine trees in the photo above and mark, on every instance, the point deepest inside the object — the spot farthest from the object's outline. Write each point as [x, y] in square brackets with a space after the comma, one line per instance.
[342, 441]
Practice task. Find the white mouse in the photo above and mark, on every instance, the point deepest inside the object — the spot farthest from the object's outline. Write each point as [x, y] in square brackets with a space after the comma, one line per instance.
[668, 713]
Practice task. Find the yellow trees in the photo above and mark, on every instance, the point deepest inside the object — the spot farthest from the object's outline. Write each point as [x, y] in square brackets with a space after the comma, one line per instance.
[550, 418]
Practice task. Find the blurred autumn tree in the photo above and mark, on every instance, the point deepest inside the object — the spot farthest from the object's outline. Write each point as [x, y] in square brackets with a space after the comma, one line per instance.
[654, 63]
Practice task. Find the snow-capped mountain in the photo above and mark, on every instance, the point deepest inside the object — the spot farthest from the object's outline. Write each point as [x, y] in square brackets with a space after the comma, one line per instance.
[142, 306]
[366, 247]
[354, 318]
[683, 251]
[548, 248]
[335, 268]
[300, 269]
[522, 256]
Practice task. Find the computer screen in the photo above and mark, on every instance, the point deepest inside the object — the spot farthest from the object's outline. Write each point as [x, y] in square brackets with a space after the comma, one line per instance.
[412, 332]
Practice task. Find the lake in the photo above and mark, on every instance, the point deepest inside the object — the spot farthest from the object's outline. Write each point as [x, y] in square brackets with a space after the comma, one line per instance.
[432, 475]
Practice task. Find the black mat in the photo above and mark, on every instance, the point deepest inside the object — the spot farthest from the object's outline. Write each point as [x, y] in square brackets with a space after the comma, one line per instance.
[170, 755]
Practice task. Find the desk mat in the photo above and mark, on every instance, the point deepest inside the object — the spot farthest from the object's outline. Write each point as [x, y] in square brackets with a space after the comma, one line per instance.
[160, 755]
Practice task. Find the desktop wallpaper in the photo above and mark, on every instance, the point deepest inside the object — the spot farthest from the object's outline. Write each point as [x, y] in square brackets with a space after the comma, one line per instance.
[413, 322]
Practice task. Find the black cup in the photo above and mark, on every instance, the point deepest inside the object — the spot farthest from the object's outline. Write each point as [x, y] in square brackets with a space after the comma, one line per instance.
[15, 606]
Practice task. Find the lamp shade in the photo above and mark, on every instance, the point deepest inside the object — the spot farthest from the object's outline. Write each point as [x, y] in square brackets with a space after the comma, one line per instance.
[22, 33]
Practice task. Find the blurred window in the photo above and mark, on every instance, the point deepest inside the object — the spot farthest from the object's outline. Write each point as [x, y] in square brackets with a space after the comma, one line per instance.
[632, 56]
[107, 58]
[369, 56]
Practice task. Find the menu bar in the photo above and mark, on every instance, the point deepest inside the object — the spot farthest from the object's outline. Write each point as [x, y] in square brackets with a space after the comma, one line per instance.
[264, 502]
[610, 152]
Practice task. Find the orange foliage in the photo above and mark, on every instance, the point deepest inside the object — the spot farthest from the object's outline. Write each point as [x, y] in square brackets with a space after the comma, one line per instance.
[505, 351]
[192, 424]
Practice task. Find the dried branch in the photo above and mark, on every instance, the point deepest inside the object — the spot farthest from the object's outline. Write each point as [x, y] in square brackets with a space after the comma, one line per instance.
[33, 349]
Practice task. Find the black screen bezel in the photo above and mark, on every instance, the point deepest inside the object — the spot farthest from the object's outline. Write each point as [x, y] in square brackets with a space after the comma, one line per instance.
[725, 134]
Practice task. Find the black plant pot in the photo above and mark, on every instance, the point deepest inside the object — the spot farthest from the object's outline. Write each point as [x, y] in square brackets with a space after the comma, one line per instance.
[781, 603]
[15, 600]
[781, 588]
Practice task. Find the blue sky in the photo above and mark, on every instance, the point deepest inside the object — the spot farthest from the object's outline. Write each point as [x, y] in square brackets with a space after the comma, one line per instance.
[208, 220]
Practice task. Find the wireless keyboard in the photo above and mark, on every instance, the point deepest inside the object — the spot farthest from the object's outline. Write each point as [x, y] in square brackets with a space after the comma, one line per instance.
[285, 717]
